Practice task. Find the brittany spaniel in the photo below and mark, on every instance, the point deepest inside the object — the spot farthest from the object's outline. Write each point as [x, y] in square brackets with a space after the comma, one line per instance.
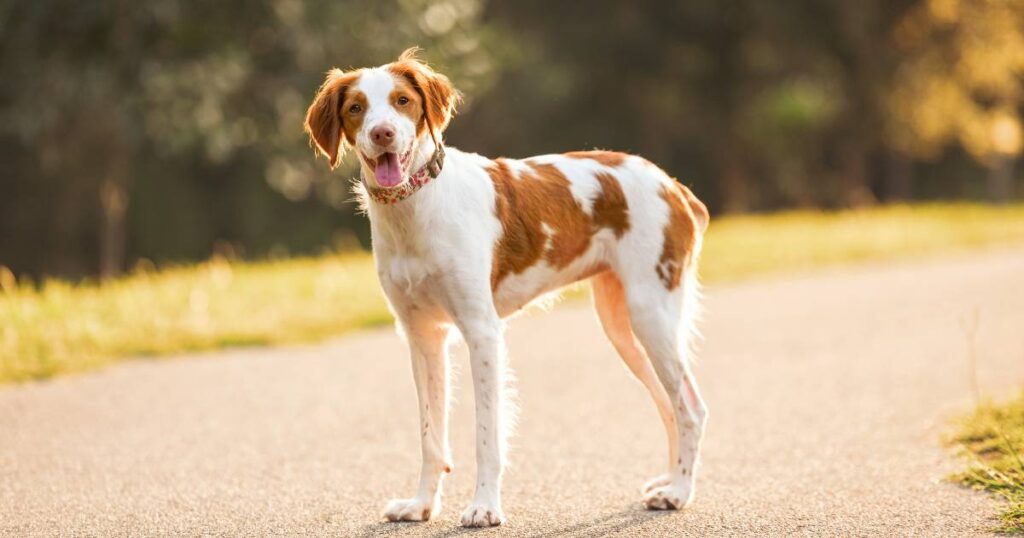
[463, 241]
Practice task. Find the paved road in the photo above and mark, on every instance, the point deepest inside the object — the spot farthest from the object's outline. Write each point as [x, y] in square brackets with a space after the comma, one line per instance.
[829, 395]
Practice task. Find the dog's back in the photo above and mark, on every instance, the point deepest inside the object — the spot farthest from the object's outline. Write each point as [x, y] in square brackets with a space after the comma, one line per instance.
[567, 217]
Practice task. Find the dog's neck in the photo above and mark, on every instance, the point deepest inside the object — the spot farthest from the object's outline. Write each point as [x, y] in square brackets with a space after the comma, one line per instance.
[425, 149]
[404, 222]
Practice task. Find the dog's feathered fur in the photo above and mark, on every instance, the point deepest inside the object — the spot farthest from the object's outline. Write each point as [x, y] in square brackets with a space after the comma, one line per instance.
[488, 236]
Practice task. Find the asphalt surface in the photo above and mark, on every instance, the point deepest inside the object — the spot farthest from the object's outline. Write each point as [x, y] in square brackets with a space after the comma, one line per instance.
[829, 395]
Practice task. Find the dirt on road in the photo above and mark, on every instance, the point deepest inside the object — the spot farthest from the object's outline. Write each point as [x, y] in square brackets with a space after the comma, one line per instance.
[829, 395]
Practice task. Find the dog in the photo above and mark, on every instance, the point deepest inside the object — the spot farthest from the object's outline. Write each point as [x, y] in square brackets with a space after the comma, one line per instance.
[461, 241]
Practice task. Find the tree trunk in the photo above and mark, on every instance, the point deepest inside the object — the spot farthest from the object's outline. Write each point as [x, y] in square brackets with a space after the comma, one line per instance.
[999, 182]
[899, 176]
[113, 224]
[853, 177]
[734, 190]
[860, 54]
[732, 181]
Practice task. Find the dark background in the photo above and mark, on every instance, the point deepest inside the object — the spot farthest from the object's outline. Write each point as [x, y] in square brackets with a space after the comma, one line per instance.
[168, 130]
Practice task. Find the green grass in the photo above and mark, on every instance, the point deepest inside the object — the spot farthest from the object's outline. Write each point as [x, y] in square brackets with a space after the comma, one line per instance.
[744, 246]
[992, 440]
[62, 328]
[58, 327]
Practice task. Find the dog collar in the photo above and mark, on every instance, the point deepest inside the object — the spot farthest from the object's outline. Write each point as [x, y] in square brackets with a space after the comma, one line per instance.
[393, 195]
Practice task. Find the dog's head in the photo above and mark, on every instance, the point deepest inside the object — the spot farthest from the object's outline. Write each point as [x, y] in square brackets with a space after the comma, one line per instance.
[385, 113]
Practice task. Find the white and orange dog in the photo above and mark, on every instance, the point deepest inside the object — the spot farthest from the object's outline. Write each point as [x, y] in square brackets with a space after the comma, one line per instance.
[463, 241]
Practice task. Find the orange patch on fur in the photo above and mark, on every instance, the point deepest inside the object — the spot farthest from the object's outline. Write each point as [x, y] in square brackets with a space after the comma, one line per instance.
[700, 211]
[680, 234]
[325, 118]
[540, 201]
[610, 209]
[438, 97]
[414, 108]
[350, 123]
[607, 158]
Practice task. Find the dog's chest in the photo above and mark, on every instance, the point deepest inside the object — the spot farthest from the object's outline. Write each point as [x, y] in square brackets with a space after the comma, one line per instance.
[405, 270]
[410, 264]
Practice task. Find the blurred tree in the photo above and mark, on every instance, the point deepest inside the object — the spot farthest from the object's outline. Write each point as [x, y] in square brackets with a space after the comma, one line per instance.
[665, 79]
[170, 128]
[839, 60]
[960, 80]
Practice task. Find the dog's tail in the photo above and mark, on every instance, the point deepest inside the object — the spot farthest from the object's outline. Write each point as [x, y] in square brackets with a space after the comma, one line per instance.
[699, 220]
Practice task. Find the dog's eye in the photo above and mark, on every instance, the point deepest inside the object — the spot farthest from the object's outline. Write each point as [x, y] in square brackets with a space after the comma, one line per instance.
[355, 109]
[403, 100]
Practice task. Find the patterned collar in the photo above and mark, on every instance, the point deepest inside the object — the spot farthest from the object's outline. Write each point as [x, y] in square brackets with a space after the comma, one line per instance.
[393, 195]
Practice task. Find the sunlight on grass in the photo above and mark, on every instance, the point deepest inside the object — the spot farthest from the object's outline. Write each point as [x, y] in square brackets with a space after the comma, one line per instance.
[743, 246]
[993, 441]
[61, 328]
[58, 327]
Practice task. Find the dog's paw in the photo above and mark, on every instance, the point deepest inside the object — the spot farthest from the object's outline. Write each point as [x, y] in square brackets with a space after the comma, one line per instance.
[673, 496]
[656, 482]
[482, 515]
[414, 509]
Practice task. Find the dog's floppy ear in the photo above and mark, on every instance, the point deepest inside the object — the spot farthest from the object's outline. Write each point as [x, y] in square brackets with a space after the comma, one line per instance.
[323, 119]
[439, 96]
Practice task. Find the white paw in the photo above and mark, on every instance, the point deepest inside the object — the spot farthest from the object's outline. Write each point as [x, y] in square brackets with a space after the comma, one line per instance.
[673, 496]
[481, 514]
[414, 509]
[658, 481]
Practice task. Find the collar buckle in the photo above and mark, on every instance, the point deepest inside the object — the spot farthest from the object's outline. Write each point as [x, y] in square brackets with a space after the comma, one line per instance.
[436, 162]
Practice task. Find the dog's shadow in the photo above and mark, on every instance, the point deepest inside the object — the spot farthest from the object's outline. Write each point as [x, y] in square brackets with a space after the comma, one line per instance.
[621, 520]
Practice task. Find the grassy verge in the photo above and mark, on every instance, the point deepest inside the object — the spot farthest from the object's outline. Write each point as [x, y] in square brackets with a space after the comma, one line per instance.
[60, 328]
[57, 327]
[993, 441]
[744, 246]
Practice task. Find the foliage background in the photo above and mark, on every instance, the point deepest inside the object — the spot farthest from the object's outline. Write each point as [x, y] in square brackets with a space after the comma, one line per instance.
[170, 130]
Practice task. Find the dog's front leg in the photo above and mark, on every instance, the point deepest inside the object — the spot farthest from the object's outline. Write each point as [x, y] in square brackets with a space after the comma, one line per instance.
[483, 333]
[428, 349]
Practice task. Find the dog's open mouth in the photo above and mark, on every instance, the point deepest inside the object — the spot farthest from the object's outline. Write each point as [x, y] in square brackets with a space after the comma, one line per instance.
[389, 168]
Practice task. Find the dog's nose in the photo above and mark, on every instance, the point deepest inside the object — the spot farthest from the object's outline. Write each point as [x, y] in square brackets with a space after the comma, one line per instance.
[382, 135]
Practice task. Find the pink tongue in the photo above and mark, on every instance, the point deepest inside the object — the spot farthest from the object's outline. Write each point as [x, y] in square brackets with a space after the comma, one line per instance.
[388, 172]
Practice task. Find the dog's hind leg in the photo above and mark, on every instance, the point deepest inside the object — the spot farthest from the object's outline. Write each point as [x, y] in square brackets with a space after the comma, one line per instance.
[428, 347]
[658, 320]
[610, 303]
